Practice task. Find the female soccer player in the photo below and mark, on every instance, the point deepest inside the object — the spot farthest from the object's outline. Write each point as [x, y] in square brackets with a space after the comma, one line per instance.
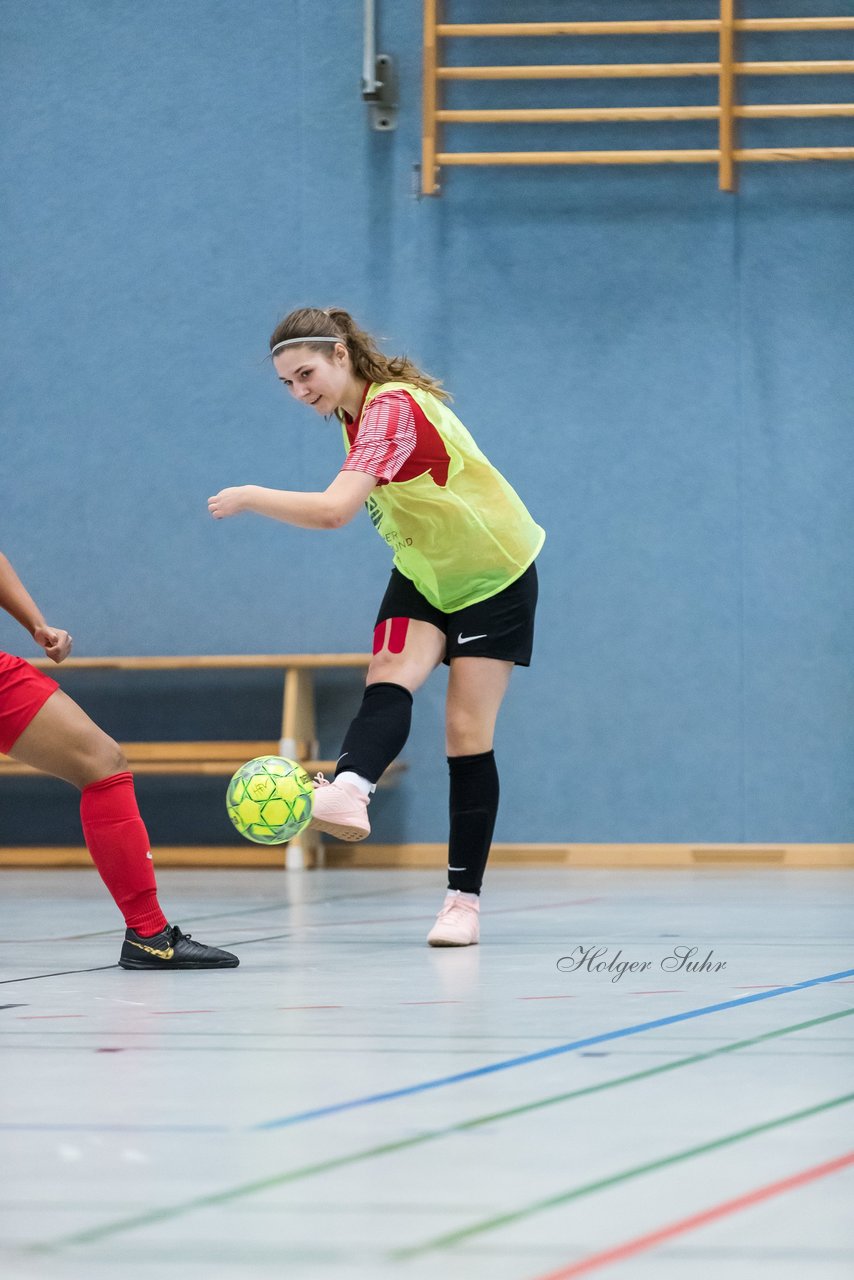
[463, 588]
[41, 726]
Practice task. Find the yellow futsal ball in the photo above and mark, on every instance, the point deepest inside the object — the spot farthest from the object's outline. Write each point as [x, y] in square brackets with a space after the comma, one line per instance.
[270, 799]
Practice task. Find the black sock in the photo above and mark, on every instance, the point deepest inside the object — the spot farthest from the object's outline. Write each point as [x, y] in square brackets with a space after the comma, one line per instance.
[474, 804]
[377, 734]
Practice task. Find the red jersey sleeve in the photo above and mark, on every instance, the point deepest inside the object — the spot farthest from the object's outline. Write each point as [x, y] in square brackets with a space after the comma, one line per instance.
[386, 437]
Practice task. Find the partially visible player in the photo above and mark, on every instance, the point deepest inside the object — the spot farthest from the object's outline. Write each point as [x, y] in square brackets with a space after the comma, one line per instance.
[463, 589]
[41, 726]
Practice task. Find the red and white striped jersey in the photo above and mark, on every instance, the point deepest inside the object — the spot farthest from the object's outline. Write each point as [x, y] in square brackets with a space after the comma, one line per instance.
[393, 440]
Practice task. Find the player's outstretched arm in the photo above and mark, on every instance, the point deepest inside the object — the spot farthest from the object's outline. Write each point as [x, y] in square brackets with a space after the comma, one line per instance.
[335, 507]
[18, 602]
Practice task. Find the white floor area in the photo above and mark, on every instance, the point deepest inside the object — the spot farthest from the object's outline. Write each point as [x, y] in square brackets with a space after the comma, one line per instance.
[350, 1104]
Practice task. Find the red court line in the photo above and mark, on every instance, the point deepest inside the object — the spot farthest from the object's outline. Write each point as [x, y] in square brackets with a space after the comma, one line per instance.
[46, 1017]
[641, 1243]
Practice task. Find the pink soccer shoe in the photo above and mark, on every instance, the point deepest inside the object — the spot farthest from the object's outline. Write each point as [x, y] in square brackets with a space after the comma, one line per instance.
[458, 923]
[340, 810]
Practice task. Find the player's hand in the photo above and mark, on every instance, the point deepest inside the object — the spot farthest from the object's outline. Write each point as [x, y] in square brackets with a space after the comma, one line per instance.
[55, 642]
[229, 502]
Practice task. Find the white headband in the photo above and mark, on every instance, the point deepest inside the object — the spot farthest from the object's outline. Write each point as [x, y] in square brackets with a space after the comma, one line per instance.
[295, 342]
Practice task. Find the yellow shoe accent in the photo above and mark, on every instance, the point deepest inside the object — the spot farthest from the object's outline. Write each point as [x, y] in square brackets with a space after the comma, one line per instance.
[166, 954]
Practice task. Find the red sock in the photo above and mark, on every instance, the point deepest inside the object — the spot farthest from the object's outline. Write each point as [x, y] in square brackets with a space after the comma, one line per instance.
[118, 842]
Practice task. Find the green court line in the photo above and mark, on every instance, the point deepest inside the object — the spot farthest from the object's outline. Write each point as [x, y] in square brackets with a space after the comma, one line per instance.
[613, 1180]
[93, 1234]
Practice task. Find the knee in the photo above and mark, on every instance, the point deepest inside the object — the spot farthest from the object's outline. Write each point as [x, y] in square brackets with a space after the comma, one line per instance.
[107, 760]
[386, 670]
[466, 734]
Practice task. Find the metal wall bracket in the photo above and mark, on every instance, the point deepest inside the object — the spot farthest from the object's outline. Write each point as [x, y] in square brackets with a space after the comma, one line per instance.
[381, 95]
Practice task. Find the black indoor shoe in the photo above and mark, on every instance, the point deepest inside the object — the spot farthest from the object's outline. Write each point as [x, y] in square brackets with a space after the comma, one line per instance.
[172, 949]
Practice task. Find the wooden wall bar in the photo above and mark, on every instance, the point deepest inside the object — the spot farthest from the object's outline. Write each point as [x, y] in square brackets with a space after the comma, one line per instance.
[728, 69]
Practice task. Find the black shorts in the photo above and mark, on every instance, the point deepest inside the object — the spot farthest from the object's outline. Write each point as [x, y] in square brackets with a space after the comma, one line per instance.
[501, 627]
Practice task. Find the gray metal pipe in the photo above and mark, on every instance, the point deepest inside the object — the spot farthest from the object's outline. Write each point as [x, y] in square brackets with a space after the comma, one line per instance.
[370, 84]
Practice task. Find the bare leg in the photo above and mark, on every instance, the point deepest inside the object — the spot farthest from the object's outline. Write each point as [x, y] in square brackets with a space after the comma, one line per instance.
[476, 689]
[422, 652]
[62, 740]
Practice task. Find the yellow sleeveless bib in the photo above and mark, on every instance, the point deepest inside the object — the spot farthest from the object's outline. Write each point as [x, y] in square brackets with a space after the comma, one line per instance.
[461, 542]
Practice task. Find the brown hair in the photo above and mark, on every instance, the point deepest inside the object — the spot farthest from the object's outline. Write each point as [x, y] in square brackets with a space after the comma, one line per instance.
[365, 356]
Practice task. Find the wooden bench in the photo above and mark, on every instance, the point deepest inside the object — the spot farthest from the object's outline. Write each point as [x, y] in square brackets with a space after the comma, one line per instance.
[298, 739]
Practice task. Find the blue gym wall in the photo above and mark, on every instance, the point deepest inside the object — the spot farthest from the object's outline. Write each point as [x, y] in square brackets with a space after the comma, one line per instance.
[663, 371]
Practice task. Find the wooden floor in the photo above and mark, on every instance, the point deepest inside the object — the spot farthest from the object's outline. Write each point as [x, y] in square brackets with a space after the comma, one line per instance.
[638, 1073]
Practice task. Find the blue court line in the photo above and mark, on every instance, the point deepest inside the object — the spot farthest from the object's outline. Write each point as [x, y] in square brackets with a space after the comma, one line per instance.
[299, 1117]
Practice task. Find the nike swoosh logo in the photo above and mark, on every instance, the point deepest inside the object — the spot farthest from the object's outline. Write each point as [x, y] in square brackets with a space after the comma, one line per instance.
[166, 954]
[461, 639]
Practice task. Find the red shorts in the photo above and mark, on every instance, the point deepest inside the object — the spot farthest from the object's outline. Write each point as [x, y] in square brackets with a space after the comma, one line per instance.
[23, 692]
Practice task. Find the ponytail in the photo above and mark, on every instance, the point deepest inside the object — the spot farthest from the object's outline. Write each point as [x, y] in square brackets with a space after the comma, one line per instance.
[367, 360]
